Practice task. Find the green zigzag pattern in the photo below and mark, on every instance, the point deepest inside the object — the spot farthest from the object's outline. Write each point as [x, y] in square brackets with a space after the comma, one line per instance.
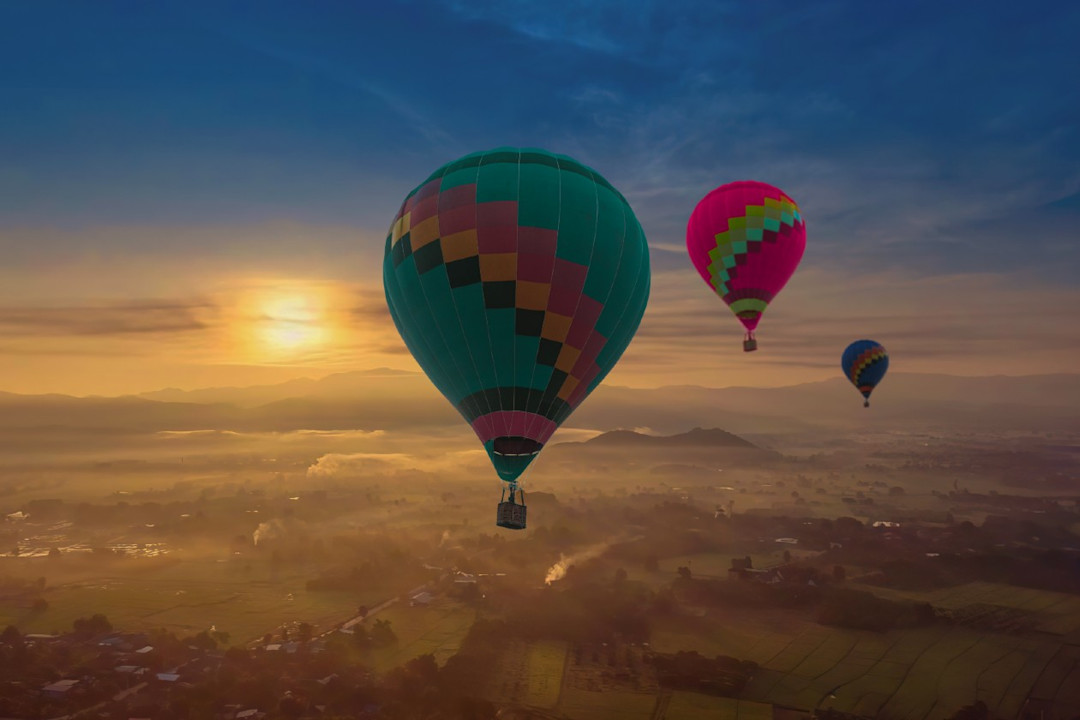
[741, 232]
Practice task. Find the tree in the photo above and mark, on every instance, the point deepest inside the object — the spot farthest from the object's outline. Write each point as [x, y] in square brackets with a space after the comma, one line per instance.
[838, 573]
[203, 641]
[787, 556]
[39, 605]
[684, 572]
[96, 624]
[54, 553]
[11, 636]
[382, 634]
[362, 611]
[304, 632]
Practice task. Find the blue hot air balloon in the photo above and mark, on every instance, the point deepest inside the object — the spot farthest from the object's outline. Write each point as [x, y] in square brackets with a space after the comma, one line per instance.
[864, 363]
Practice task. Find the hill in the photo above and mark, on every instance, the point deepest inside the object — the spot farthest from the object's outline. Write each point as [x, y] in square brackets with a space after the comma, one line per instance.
[628, 439]
[389, 400]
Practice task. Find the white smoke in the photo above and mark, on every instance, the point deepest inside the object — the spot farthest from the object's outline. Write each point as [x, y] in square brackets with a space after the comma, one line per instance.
[558, 571]
[272, 530]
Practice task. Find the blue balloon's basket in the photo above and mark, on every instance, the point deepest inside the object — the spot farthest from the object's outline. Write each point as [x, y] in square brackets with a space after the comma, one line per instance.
[511, 514]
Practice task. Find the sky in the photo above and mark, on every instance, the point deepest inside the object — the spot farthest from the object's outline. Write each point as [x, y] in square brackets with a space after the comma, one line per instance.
[197, 194]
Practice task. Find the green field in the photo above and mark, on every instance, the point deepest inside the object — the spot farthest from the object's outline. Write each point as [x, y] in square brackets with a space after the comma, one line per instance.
[530, 673]
[925, 673]
[188, 597]
[694, 706]
[546, 663]
[438, 629]
[1057, 613]
[608, 705]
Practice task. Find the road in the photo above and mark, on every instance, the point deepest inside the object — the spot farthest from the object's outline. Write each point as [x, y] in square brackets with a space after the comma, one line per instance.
[351, 622]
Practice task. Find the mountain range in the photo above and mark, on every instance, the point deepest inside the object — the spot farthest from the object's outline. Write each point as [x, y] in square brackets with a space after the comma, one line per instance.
[391, 399]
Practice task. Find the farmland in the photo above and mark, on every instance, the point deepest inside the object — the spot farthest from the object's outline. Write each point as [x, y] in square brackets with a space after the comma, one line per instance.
[694, 706]
[188, 597]
[920, 673]
[437, 629]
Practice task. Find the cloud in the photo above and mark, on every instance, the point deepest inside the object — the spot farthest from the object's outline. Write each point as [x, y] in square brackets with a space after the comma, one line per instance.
[345, 464]
[137, 317]
[974, 324]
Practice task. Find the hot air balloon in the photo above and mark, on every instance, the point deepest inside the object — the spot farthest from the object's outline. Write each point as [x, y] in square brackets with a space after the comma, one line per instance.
[516, 278]
[746, 239]
[865, 363]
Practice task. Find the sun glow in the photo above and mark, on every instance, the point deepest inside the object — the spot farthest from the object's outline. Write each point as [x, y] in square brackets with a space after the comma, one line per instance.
[292, 321]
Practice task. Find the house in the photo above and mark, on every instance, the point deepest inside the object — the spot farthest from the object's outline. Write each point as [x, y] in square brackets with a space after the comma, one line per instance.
[423, 598]
[250, 714]
[59, 689]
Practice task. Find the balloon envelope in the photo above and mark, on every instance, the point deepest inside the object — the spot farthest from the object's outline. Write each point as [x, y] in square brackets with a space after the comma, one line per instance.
[864, 363]
[745, 240]
[516, 278]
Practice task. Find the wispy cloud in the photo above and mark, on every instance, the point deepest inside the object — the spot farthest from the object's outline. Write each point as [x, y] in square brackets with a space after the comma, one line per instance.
[127, 318]
[930, 324]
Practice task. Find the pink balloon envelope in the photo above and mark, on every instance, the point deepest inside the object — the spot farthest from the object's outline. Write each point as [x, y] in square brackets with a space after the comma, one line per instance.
[746, 239]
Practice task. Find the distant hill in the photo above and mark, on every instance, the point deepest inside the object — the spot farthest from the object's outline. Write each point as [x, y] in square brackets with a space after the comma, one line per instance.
[392, 399]
[698, 452]
[697, 437]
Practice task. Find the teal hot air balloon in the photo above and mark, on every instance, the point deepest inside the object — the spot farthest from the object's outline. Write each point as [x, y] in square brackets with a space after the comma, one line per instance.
[516, 278]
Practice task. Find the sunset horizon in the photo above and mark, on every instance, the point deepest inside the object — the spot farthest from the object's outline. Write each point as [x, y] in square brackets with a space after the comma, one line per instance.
[516, 360]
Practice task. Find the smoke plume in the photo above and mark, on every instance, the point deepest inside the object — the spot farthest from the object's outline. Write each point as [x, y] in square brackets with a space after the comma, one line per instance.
[268, 531]
[557, 571]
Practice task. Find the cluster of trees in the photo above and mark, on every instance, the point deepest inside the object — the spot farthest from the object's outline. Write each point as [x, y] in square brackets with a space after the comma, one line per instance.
[691, 671]
[862, 610]
[833, 605]
[290, 686]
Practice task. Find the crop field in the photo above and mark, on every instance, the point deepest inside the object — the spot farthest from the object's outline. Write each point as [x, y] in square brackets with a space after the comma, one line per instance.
[187, 598]
[694, 706]
[581, 704]
[918, 674]
[547, 661]
[438, 628]
[1055, 613]
[530, 673]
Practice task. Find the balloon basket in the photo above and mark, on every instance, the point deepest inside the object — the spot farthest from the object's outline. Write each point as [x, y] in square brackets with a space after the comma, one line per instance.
[511, 514]
[749, 345]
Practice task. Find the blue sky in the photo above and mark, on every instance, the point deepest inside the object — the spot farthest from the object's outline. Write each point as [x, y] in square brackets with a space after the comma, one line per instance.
[920, 138]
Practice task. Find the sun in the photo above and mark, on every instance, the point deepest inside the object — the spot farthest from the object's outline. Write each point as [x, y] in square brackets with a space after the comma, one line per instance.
[292, 322]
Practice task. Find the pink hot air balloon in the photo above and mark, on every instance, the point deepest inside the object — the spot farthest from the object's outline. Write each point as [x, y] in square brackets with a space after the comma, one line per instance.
[746, 239]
